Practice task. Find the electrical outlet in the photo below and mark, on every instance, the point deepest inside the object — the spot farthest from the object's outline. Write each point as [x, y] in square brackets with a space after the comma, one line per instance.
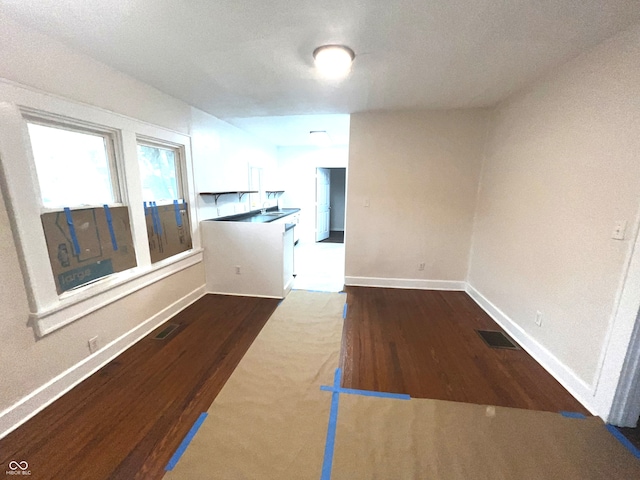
[421, 266]
[619, 229]
[237, 269]
[539, 318]
[93, 344]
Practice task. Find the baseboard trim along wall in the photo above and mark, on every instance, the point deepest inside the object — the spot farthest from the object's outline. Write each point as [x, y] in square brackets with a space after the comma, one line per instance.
[419, 284]
[36, 401]
[583, 392]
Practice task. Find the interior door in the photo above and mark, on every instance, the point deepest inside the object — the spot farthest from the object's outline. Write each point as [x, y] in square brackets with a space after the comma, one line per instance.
[323, 191]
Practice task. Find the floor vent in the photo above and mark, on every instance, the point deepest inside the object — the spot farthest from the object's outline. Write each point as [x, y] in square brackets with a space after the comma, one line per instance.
[166, 331]
[497, 339]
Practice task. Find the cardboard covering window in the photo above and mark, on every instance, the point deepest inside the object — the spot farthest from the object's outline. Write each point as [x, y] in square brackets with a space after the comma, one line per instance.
[168, 229]
[87, 244]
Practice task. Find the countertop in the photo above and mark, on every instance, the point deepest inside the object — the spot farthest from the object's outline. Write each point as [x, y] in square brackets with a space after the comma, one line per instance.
[256, 216]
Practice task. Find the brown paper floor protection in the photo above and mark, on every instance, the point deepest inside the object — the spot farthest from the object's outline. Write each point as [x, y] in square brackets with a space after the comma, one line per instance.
[270, 422]
[270, 419]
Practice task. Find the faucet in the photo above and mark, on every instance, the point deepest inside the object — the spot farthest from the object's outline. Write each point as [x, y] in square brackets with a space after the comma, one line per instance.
[264, 209]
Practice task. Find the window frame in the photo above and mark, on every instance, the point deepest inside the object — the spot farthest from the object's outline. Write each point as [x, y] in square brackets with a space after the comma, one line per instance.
[180, 159]
[112, 142]
[49, 311]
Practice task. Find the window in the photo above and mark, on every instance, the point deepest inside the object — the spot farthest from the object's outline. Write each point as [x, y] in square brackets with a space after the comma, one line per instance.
[166, 214]
[75, 167]
[160, 173]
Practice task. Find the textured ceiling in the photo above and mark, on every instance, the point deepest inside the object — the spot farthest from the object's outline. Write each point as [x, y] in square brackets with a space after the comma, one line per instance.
[253, 57]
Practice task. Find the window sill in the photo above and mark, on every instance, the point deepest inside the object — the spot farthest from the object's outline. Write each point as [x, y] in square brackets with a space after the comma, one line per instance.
[82, 301]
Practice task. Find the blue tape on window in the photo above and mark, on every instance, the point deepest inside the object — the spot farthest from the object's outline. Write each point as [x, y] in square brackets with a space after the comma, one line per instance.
[327, 462]
[146, 210]
[112, 233]
[153, 218]
[185, 443]
[72, 231]
[158, 222]
[178, 216]
[367, 393]
[344, 311]
[573, 415]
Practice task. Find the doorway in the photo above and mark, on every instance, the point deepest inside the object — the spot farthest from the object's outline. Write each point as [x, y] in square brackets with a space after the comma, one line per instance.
[319, 263]
[330, 204]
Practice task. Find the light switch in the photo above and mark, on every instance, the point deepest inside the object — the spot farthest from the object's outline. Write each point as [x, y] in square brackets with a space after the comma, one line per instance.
[366, 202]
[619, 229]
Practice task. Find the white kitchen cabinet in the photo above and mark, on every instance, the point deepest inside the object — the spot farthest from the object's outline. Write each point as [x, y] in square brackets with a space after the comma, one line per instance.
[253, 259]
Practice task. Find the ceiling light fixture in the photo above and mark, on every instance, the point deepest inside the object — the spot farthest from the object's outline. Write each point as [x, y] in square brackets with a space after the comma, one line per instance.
[333, 61]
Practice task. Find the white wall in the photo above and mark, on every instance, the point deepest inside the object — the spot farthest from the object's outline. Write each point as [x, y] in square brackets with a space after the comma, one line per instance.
[297, 172]
[27, 364]
[338, 199]
[222, 154]
[419, 173]
[562, 168]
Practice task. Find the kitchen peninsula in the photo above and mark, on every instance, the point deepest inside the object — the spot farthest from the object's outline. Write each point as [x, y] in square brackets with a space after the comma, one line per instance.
[251, 253]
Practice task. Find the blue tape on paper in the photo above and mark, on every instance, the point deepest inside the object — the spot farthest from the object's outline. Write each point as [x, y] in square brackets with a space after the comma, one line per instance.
[72, 231]
[573, 415]
[112, 233]
[176, 207]
[327, 462]
[623, 440]
[367, 393]
[158, 222]
[146, 209]
[185, 442]
[344, 311]
[153, 218]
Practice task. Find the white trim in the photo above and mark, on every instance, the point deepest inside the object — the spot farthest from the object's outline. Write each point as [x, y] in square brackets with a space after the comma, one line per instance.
[115, 287]
[36, 401]
[20, 184]
[618, 376]
[562, 373]
[252, 295]
[414, 283]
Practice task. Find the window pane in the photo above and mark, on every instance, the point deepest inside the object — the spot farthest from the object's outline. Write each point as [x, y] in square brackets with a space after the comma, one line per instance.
[158, 172]
[73, 167]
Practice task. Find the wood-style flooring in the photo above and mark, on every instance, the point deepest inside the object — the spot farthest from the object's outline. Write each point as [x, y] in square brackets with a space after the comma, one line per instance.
[127, 420]
[423, 343]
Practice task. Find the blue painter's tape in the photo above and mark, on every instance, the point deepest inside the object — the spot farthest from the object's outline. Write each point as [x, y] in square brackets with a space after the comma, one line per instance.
[158, 222]
[344, 311]
[573, 415]
[176, 207]
[146, 210]
[327, 462]
[367, 393]
[623, 440]
[72, 231]
[114, 242]
[185, 443]
[153, 218]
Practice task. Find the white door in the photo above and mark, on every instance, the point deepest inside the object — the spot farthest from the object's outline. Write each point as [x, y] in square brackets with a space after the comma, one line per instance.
[323, 190]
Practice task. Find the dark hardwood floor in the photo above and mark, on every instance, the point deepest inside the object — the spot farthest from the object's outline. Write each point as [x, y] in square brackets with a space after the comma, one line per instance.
[423, 343]
[127, 420]
[335, 236]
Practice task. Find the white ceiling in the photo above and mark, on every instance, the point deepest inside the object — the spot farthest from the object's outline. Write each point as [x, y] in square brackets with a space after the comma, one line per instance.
[235, 58]
[293, 130]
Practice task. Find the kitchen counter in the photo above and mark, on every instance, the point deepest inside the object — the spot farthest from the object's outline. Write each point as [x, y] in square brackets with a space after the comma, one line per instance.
[270, 215]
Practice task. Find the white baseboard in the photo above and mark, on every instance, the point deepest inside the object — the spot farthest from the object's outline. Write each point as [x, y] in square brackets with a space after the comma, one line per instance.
[29, 406]
[582, 391]
[414, 283]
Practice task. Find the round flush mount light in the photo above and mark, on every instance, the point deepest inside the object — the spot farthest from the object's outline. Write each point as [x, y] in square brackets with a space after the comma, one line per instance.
[333, 61]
